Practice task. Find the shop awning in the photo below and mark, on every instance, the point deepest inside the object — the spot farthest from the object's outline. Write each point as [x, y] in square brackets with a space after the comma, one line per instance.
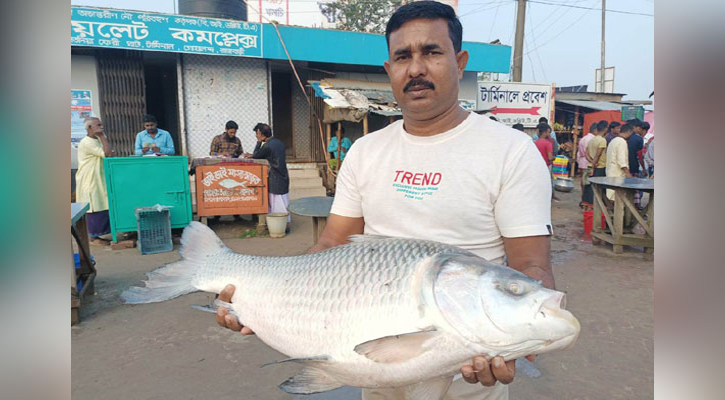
[350, 100]
[594, 105]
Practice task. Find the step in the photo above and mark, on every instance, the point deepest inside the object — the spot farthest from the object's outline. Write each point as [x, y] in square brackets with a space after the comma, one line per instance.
[305, 182]
[303, 173]
[298, 193]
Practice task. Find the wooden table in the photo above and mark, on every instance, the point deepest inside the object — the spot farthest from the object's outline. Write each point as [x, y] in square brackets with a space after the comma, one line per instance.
[316, 207]
[622, 219]
[87, 271]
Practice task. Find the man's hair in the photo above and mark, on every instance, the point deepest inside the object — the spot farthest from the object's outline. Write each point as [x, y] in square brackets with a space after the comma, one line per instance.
[264, 128]
[519, 127]
[426, 10]
[602, 125]
[149, 118]
[88, 121]
[593, 127]
[635, 122]
[543, 120]
[492, 118]
[613, 125]
[645, 126]
[543, 127]
[231, 125]
[628, 127]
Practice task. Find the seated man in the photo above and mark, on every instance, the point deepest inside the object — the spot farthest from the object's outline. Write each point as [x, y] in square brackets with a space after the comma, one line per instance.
[227, 144]
[345, 145]
[153, 140]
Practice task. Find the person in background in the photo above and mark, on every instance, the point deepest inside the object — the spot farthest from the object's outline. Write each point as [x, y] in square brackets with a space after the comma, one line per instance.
[635, 144]
[643, 128]
[597, 157]
[552, 135]
[227, 144]
[618, 157]
[518, 127]
[153, 140]
[544, 144]
[583, 163]
[272, 149]
[649, 157]
[345, 145]
[613, 131]
[91, 179]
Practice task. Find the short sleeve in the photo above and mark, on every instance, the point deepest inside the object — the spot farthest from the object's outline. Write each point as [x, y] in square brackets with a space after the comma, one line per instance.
[523, 205]
[348, 202]
[602, 144]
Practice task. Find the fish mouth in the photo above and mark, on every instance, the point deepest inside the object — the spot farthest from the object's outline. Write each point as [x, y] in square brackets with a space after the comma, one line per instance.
[553, 307]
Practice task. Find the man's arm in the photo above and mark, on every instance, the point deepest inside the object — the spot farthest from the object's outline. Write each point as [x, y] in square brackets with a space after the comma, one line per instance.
[595, 161]
[261, 151]
[168, 146]
[531, 255]
[106, 146]
[138, 147]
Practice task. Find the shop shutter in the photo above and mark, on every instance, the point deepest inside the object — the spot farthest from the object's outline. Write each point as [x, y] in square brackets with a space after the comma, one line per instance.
[123, 97]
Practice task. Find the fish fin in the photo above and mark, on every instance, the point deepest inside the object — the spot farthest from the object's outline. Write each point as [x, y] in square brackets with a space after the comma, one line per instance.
[433, 389]
[299, 360]
[198, 242]
[310, 380]
[366, 238]
[396, 348]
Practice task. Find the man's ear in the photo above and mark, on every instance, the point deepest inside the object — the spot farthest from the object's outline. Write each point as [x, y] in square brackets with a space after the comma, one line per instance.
[462, 61]
[386, 65]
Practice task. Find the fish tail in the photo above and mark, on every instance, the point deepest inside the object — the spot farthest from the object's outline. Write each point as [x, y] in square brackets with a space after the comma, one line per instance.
[198, 242]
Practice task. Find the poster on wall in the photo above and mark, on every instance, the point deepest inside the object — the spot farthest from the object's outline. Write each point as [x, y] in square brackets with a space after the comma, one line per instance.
[80, 109]
[514, 102]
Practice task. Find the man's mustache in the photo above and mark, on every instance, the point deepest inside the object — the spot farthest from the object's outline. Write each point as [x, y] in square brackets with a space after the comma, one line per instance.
[418, 82]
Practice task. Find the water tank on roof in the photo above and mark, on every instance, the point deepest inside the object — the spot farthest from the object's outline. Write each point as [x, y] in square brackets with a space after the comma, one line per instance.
[227, 9]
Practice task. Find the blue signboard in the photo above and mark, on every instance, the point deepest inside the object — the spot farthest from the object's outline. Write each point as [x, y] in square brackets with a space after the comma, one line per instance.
[133, 30]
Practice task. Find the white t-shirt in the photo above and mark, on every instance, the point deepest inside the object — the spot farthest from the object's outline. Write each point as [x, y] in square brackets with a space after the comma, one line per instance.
[468, 187]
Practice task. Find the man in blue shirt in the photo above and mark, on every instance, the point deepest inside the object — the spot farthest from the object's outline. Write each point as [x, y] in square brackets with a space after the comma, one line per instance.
[153, 140]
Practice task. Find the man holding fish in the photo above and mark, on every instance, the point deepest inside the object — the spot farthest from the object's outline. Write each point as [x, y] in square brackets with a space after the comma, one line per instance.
[493, 194]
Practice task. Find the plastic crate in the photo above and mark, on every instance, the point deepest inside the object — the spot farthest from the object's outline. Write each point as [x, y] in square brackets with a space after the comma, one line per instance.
[154, 230]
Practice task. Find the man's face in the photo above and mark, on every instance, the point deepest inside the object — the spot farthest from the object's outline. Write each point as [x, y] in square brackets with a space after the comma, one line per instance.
[231, 132]
[616, 130]
[258, 134]
[424, 69]
[151, 127]
[96, 127]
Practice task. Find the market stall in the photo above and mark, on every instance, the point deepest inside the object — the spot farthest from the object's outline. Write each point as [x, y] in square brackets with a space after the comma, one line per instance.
[231, 186]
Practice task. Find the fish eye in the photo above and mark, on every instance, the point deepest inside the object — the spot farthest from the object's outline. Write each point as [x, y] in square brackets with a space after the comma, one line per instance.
[515, 288]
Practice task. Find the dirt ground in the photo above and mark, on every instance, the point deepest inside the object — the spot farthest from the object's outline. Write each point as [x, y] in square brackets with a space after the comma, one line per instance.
[170, 351]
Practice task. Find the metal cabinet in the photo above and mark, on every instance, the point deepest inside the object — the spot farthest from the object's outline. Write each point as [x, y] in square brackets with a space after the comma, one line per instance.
[144, 182]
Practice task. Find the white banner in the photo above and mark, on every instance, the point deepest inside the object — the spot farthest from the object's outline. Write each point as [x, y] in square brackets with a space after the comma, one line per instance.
[514, 102]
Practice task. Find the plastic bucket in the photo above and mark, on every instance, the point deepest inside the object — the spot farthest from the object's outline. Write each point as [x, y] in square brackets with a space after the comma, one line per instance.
[277, 224]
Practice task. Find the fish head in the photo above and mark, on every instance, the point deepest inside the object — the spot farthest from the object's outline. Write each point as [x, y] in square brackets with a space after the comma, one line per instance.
[501, 309]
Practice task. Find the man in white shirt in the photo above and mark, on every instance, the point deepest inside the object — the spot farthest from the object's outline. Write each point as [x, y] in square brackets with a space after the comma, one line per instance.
[444, 174]
[581, 157]
[618, 157]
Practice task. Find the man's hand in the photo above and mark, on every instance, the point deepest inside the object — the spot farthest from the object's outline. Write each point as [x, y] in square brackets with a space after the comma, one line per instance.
[223, 317]
[145, 150]
[247, 155]
[156, 149]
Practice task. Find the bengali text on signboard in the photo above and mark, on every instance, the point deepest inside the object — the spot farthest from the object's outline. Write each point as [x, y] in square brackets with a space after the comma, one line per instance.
[164, 32]
[513, 102]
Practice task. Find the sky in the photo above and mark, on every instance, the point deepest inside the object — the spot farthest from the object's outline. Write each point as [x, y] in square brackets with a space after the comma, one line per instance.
[562, 41]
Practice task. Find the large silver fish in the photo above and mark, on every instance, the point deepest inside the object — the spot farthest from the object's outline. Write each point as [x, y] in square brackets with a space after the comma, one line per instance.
[377, 312]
